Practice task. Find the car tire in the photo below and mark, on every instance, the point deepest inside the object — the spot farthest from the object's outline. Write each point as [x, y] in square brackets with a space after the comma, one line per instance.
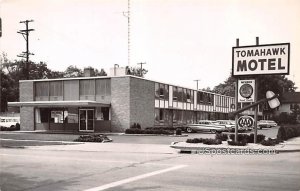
[189, 130]
[213, 131]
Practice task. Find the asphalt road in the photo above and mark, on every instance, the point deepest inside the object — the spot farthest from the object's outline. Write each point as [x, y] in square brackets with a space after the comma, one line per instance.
[47, 170]
[17, 139]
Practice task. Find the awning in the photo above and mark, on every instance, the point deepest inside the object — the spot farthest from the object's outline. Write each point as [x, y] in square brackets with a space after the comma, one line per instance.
[80, 103]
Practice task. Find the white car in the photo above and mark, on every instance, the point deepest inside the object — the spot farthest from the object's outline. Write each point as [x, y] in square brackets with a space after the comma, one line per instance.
[230, 125]
[9, 121]
[266, 124]
[205, 125]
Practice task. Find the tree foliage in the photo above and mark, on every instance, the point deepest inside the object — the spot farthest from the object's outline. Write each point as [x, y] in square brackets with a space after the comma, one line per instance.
[276, 83]
[136, 71]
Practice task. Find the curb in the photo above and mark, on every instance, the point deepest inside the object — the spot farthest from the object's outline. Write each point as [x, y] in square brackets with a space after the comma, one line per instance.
[194, 148]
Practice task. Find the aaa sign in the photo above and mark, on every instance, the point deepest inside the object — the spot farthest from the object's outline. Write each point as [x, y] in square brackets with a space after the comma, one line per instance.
[246, 121]
[262, 59]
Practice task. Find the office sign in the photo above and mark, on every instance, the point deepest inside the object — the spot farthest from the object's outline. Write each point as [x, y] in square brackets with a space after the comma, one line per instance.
[246, 91]
[261, 59]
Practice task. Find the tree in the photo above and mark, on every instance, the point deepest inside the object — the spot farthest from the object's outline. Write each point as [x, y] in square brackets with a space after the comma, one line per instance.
[73, 71]
[136, 71]
[276, 83]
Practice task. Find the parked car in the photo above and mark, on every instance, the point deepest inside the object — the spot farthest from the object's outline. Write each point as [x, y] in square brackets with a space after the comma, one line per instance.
[205, 125]
[266, 124]
[9, 121]
[230, 126]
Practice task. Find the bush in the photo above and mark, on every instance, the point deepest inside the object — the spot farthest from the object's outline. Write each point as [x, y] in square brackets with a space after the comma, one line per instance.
[18, 127]
[178, 131]
[212, 141]
[195, 140]
[238, 143]
[11, 128]
[135, 126]
[221, 136]
[270, 142]
[93, 138]
[287, 132]
[148, 131]
[248, 138]
[205, 141]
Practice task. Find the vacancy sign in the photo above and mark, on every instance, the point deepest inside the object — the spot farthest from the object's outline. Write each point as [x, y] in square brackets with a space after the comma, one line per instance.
[261, 59]
[246, 90]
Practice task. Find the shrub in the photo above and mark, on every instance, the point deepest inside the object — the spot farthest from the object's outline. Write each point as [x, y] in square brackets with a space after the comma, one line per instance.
[221, 136]
[238, 143]
[248, 138]
[147, 131]
[18, 127]
[178, 131]
[270, 142]
[93, 138]
[195, 140]
[205, 141]
[287, 132]
[212, 141]
[138, 126]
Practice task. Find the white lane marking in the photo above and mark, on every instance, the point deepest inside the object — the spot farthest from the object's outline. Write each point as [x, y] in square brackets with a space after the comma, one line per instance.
[135, 178]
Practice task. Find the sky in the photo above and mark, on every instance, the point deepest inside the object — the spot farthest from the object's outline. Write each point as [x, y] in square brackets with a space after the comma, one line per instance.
[179, 40]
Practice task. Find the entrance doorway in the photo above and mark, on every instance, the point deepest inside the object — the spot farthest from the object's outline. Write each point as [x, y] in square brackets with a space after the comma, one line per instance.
[86, 117]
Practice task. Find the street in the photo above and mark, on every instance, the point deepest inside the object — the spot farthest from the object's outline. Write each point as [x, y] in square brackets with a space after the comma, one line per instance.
[138, 163]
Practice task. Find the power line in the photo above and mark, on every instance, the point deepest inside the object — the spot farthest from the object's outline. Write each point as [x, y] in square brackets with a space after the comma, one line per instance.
[25, 34]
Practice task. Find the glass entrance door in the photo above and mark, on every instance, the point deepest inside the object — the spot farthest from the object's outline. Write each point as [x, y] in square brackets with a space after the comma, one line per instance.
[86, 119]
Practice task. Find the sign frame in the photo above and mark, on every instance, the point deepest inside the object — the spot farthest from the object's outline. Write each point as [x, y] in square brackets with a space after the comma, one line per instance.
[257, 46]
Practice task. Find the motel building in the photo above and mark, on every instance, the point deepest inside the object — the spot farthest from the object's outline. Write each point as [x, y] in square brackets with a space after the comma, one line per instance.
[113, 103]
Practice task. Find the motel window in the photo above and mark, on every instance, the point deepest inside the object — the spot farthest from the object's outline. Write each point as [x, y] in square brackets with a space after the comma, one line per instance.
[58, 116]
[179, 95]
[192, 96]
[184, 97]
[56, 88]
[72, 115]
[161, 114]
[87, 87]
[166, 92]
[161, 91]
[103, 87]
[188, 96]
[157, 91]
[156, 116]
[175, 93]
[41, 89]
[200, 97]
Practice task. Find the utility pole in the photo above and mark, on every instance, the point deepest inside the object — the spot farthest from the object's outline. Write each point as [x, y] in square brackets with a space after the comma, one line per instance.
[127, 15]
[25, 34]
[142, 68]
[197, 83]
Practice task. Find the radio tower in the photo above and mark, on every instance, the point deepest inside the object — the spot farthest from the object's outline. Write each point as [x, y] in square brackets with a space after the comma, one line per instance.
[127, 15]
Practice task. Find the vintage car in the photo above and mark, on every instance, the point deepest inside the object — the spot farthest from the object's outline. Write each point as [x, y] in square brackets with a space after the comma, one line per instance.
[9, 121]
[205, 125]
[266, 124]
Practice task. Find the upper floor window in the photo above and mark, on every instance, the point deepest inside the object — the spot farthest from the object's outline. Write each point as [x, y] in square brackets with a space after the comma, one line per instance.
[41, 89]
[175, 93]
[56, 88]
[87, 87]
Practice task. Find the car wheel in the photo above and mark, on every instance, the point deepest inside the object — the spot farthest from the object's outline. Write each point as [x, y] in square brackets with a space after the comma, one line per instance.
[189, 130]
[260, 127]
[213, 131]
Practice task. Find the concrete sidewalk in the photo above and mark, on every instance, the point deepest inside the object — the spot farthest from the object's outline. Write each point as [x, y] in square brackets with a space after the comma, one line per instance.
[292, 145]
[110, 147]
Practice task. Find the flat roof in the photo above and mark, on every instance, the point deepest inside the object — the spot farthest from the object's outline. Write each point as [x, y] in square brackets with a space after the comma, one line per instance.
[79, 103]
[108, 77]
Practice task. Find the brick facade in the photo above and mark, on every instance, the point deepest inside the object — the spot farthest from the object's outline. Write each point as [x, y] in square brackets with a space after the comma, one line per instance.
[142, 102]
[120, 105]
[26, 113]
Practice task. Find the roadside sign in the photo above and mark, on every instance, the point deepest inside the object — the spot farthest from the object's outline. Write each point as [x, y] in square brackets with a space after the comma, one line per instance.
[261, 59]
[246, 121]
[246, 91]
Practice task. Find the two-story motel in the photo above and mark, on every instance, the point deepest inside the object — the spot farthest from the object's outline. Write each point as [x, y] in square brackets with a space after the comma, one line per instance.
[112, 104]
